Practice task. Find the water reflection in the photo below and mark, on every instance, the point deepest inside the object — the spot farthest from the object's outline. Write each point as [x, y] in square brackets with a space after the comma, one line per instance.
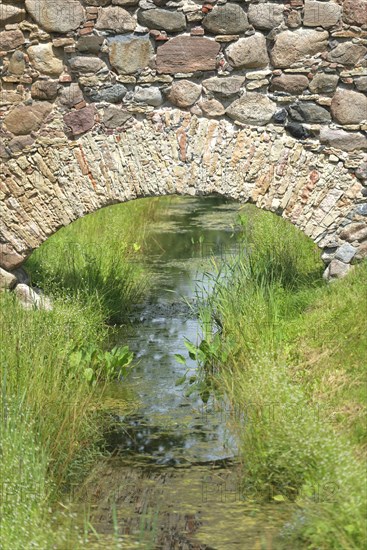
[171, 428]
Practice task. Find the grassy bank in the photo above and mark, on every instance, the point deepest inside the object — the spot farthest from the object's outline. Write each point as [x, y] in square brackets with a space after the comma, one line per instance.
[98, 257]
[53, 367]
[294, 371]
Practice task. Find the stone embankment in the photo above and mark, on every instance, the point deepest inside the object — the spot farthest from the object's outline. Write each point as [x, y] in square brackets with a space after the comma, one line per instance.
[107, 100]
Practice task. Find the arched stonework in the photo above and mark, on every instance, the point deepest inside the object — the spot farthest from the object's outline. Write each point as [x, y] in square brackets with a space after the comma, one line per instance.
[272, 99]
[172, 151]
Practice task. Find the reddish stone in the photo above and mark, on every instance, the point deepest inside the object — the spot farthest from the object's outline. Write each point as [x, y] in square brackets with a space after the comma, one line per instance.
[80, 105]
[65, 78]
[289, 83]
[197, 31]
[84, 32]
[355, 12]
[186, 54]
[80, 121]
[314, 177]
[9, 40]
[161, 38]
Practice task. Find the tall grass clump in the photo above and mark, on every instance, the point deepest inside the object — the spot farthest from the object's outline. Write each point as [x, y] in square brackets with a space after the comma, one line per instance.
[49, 429]
[292, 450]
[98, 257]
[54, 365]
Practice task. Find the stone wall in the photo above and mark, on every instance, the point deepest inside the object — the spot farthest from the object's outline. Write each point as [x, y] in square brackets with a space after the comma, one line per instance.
[89, 86]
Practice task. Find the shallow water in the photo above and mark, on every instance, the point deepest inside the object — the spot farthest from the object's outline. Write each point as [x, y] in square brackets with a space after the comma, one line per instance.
[173, 481]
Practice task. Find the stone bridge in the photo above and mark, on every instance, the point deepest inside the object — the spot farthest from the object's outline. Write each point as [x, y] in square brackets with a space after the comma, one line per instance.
[105, 101]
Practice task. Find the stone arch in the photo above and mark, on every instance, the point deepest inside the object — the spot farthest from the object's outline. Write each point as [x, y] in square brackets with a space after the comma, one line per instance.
[175, 152]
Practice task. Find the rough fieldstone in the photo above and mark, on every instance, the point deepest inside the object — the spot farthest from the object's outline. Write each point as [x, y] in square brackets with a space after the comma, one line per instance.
[90, 43]
[362, 209]
[324, 83]
[361, 252]
[9, 40]
[61, 16]
[7, 280]
[345, 253]
[170, 21]
[184, 93]
[347, 53]
[340, 139]
[361, 171]
[71, 95]
[349, 107]
[280, 116]
[227, 19]
[321, 14]
[294, 19]
[265, 16]
[9, 258]
[84, 64]
[4, 153]
[150, 96]
[309, 112]
[297, 130]
[354, 232]
[113, 117]
[252, 108]
[17, 63]
[80, 121]
[20, 143]
[10, 14]
[130, 53]
[30, 299]
[249, 53]
[44, 59]
[289, 83]
[336, 270]
[186, 54]
[44, 89]
[212, 108]
[10, 97]
[224, 87]
[292, 46]
[115, 19]
[361, 83]
[125, 2]
[109, 94]
[97, 3]
[24, 119]
[355, 12]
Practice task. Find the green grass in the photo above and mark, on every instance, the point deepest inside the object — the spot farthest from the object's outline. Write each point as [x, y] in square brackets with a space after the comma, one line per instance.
[295, 374]
[98, 256]
[49, 432]
[50, 419]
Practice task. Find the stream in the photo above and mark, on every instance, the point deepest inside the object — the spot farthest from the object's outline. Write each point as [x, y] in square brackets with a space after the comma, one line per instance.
[173, 479]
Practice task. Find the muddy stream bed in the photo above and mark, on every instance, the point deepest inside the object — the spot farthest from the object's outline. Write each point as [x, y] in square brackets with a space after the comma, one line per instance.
[173, 480]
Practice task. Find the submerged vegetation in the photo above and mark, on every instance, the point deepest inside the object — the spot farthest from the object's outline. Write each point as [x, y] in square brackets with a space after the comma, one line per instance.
[294, 372]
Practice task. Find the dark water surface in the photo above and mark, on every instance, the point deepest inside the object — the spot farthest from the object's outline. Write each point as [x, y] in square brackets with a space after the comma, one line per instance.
[174, 480]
